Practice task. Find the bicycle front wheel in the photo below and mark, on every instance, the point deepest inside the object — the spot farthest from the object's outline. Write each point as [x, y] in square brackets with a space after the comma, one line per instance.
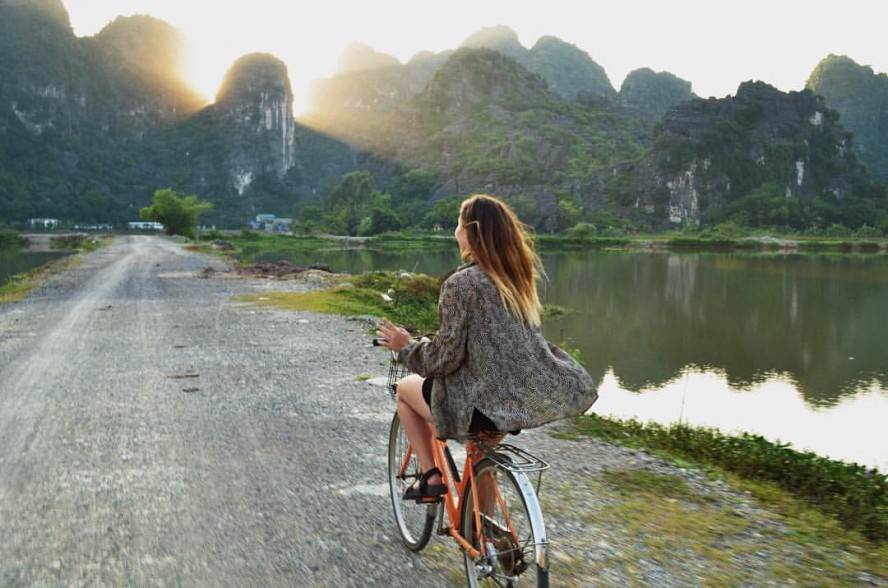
[415, 521]
[511, 535]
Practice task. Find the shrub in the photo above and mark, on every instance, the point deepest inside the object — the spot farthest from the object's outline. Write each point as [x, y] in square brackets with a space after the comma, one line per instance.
[10, 238]
[855, 495]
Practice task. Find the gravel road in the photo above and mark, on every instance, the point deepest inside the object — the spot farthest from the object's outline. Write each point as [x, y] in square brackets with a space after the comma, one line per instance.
[156, 432]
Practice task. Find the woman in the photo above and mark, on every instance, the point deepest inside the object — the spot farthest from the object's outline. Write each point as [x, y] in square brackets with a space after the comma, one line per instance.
[489, 367]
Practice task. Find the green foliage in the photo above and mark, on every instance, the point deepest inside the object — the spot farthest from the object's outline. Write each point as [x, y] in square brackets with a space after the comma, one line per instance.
[177, 213]
[76, 242]
[859, 95]
[444, 213]
[698, 243]
[409, 300]
[855, 495]
[765, 206]
[383, 218]
[349, 201]
[10, 238]
[414, 298]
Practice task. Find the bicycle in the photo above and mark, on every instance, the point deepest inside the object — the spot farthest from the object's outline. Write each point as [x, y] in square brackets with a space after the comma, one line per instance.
[492, 506]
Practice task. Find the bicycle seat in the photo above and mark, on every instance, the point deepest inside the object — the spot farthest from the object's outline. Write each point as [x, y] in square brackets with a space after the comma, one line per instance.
[487, 437]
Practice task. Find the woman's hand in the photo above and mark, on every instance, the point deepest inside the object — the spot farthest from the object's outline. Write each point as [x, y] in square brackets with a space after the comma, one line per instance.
[392, 336]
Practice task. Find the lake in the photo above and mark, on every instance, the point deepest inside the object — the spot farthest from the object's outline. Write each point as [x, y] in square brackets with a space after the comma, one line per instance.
[792, 347]
[14, 262]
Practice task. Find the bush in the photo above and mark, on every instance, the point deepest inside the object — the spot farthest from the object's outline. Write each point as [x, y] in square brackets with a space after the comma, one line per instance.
[10, 238]
[855, 495]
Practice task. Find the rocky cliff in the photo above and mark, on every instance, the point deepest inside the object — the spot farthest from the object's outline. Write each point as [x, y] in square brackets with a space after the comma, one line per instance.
[710, 153]
[860, 96]
[653, 94]
[255, 108]
[91, 127]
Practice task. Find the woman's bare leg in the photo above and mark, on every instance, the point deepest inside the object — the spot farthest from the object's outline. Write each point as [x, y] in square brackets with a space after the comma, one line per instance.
[416, 418]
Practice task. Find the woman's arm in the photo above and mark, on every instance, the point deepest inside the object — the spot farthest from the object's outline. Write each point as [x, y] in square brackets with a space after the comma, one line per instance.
[446, 352]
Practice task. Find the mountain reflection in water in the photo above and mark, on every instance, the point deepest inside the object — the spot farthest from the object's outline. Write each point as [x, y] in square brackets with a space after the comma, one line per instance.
[792, 347]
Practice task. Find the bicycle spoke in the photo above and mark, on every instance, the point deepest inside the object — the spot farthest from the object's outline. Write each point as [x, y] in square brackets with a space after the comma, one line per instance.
[506, 536]
[414, 521]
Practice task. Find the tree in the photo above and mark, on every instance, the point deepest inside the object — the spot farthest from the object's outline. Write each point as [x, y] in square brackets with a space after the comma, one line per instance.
[350, 200]
[178, 214]
[383, 217]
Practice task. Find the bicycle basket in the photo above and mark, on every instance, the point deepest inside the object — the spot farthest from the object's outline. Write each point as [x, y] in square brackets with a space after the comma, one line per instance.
[397, 371]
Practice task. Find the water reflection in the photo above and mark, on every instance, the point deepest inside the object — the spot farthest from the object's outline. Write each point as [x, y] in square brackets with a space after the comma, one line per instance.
[792, 347]
[815, 321]
[852, 429]
[14, 262]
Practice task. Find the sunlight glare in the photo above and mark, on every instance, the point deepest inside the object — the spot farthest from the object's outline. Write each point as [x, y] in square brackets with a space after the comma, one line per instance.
[853, 430]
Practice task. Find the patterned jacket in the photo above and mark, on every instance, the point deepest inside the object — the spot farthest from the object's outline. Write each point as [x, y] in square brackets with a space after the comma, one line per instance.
[484, 358]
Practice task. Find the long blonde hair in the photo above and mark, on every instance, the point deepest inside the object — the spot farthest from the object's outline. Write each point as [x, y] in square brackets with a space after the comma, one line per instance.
[502, 246]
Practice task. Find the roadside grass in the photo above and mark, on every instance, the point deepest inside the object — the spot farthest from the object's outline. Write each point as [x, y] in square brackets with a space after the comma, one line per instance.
[77, 243]
[19, 285]
[857, 497]
[834, 548]
[406, 299]
[16, 288]
[702, 538]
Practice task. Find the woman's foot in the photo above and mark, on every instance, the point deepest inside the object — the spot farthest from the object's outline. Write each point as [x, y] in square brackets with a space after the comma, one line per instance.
[429, 486]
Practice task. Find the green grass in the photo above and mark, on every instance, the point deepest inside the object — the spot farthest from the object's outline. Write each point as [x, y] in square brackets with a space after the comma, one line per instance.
[413, 303]
[18, 286]
[856, 497]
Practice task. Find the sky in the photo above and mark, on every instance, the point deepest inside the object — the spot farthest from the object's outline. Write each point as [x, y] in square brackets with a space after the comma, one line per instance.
[714, 44]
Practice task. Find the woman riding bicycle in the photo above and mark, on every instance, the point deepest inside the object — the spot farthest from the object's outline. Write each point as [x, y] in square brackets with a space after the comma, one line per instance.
[489, 367]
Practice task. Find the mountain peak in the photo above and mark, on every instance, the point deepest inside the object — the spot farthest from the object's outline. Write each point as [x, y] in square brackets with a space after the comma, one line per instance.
[49, 10]
[253, 75]
[500, 38]
[144, 44]
[474, 76]
[361, 57]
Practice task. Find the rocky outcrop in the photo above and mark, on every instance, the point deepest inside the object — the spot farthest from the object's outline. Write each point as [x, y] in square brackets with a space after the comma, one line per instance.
[569, 70]
[711, 152]
[255, 109]
[652, 94]
[144, 55]
[860, 96]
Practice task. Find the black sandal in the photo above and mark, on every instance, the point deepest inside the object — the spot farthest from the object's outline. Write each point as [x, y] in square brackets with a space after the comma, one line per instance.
[424, 491]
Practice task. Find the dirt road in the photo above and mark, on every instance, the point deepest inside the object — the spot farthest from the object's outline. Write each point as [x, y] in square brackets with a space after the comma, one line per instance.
[155, 432]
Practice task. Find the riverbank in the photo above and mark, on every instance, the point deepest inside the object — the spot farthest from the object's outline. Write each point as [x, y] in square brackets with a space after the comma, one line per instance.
[251, 243]
[664, 500]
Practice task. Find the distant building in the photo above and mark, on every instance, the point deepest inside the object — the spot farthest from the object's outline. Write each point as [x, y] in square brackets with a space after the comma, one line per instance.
[144, 226]
[271, 224]
[44, 223]
[96, 227]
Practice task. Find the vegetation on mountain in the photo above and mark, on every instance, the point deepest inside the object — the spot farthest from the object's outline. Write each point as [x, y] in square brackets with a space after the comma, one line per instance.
[860, 96]
[653, 94]
[89, 128]
[760, 158]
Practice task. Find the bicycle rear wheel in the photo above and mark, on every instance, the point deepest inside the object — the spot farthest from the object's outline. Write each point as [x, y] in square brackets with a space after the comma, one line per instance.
[511, 537]
[415, 521]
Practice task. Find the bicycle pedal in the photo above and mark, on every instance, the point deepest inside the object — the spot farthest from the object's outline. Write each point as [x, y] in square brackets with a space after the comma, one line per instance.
[427, 499]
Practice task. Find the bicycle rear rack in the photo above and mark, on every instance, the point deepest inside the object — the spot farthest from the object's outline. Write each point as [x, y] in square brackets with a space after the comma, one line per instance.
[519, 461]
[516, 459]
